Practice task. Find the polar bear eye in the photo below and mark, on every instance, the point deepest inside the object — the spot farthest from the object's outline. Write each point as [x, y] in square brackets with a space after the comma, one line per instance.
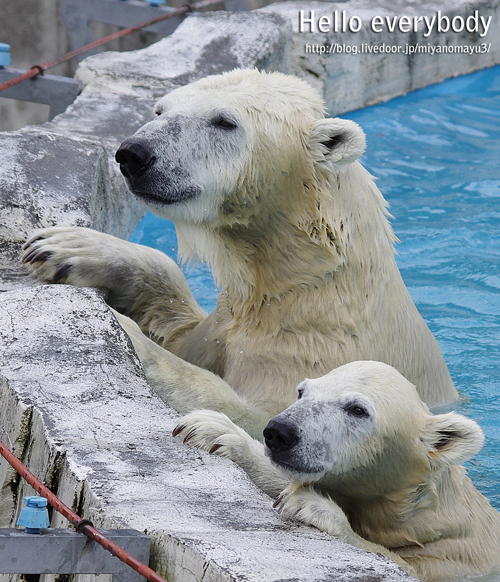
[224, 123]
[356, 410]
[301, 388]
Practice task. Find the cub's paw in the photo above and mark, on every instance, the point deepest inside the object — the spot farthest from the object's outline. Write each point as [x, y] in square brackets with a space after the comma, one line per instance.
[291, 502]
[214, 432]
[303, 503]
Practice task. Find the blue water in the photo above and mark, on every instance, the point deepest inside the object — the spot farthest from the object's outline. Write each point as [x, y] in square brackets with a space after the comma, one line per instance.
[436, 155]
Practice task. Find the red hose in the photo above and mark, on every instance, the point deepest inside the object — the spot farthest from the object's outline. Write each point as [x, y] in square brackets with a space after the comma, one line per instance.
[39, 69]
[81, 525]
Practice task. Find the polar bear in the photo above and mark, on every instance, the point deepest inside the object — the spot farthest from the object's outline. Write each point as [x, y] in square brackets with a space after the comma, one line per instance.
[363, 459]
[270, 194]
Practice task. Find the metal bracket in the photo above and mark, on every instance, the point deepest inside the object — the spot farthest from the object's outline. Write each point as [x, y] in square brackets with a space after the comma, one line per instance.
[58, 92]
[64, 551]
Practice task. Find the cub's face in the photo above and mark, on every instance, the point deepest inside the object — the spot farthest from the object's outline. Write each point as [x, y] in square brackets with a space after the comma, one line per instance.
[363, 430]
[331, 428]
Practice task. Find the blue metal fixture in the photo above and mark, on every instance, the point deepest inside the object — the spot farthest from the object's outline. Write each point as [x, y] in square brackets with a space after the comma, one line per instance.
[4, 55]
[34, 516]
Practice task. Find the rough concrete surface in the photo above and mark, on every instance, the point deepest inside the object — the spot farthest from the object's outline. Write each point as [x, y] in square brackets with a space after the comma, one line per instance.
[77, 409]
[350, 81]
[49, 179]
[205, 44]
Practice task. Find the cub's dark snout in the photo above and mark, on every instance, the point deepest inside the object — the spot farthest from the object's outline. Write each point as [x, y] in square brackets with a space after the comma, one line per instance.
[280, 435]
[134, 155]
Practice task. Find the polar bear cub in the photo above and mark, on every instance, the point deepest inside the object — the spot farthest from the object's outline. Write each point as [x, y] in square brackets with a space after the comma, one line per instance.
[359, 456]
[360, 439]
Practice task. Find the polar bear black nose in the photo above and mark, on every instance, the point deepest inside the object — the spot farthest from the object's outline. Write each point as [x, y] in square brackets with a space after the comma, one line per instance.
[134, 156]
[280, 435]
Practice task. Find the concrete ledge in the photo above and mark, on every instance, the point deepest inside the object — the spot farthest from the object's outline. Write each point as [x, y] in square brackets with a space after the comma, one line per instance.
[76, 408]
[51, 179]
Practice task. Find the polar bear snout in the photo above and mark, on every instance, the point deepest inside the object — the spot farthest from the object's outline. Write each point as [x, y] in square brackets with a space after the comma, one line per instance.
[280, 435]
[135, 157]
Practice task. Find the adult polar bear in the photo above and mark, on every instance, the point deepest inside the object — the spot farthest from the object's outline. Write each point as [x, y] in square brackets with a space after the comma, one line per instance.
[269, 192]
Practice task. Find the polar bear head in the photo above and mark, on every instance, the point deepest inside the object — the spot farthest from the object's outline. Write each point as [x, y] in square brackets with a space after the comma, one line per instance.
[231, 146]
[363, 430]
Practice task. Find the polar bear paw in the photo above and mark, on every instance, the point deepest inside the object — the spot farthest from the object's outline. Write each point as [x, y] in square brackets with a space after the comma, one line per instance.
[303, 503]
[214, 432]
[78, 256]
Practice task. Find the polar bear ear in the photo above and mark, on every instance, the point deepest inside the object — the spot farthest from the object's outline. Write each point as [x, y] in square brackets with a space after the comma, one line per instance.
[452, 438]
[340, 141]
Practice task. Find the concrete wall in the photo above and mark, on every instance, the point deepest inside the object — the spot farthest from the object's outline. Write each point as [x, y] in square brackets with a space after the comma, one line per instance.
[36, 33]
[74, 402]
[350, 77]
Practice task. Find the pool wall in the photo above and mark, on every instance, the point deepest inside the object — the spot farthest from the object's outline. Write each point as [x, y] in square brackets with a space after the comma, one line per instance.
[368, 67]
[75, 405]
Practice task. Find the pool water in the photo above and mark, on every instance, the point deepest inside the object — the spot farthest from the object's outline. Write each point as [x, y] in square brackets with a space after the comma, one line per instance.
[436, 155]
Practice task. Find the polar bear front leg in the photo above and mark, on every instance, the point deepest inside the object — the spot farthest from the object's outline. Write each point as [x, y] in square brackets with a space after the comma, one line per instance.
[307, 505]
[139, 281]
[187, 387]
[216, 433]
